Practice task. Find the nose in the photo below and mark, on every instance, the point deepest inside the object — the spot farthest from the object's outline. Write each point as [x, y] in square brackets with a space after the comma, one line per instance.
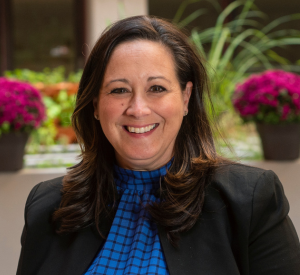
[138, 106]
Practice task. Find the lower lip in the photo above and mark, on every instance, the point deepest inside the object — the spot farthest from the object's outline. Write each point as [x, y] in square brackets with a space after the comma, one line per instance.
[135, 135]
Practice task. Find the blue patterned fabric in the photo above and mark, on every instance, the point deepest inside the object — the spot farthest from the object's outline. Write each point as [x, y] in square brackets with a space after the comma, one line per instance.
[132, 245]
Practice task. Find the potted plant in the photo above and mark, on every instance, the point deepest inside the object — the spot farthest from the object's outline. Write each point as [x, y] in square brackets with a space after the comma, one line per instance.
[272, 100]
[60, 109]
[21, 111]
[50, 81]
[58, 91]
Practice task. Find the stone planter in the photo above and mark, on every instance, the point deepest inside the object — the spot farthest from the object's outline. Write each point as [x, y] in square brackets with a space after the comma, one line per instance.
[12, 146]
[280, 142]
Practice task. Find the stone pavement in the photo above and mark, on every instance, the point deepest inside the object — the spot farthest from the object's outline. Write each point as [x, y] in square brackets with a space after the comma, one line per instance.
[14, 189]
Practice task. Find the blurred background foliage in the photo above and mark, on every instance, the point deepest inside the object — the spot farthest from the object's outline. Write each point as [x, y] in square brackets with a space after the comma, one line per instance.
[241, 41]
[59, 102]
[46, 76]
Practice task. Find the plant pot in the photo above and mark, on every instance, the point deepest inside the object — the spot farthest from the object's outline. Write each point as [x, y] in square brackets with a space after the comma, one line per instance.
[280, 142]
[12, 146]
[52, 90]
[67, 133]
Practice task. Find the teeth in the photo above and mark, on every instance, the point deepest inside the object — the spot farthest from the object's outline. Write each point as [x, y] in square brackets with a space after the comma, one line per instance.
[141, 130]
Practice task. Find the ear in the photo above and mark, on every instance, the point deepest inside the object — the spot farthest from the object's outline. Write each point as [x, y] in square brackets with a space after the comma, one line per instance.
[187, 94]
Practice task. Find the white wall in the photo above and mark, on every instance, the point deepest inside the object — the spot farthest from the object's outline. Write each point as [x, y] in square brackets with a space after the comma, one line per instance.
[100, 13]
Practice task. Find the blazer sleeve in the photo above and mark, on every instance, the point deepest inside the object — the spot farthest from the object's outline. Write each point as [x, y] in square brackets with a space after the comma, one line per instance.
[274, 247]
[23, 236]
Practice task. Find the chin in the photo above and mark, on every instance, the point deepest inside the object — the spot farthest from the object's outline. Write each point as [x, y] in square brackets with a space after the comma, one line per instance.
[140, 158]
[134, 160]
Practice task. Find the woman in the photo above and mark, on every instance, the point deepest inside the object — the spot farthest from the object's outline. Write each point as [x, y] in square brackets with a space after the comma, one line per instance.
[151, 195]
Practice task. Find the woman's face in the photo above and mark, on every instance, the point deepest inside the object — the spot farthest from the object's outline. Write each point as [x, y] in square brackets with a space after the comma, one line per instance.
[141, 105]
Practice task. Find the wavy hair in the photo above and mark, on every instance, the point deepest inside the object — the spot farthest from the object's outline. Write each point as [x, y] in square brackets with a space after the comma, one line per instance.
[88, 188]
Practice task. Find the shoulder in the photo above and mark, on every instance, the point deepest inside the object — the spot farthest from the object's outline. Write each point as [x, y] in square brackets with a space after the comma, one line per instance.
[43, 199]
[47, 191]
[241, 186]
[237, 172]
[242, 179]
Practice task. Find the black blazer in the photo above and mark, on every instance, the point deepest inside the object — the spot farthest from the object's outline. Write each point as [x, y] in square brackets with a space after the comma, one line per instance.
[244, 229]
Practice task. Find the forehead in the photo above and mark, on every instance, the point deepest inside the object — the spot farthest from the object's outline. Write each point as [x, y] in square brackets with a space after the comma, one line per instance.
[141, 46]
[141, 55]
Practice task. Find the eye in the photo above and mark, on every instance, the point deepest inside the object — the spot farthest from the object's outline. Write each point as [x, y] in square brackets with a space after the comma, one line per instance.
[157, 89]
[118, 91]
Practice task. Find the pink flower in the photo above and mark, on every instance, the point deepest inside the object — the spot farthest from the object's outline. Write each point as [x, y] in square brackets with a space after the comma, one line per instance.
[285, 111]
[20, 105]
[249, 110]
[273, 92]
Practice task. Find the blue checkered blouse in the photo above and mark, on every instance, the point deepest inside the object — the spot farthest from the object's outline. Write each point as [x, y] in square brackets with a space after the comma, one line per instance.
[132, 245]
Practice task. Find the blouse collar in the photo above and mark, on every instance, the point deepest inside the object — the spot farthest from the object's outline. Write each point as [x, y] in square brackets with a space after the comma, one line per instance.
[140, 180]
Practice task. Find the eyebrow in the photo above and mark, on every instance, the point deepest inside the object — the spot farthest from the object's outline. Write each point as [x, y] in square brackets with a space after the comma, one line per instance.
[158, 77]
[124, 80]
[118, 80]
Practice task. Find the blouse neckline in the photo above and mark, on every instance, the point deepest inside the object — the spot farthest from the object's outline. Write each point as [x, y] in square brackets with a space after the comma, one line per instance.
[140, 180]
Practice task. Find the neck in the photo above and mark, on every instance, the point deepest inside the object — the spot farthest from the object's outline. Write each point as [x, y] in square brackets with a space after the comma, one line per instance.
[142, 165]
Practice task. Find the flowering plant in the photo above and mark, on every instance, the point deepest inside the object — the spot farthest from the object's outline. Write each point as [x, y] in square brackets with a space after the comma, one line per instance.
[272, 97]
[21, 106]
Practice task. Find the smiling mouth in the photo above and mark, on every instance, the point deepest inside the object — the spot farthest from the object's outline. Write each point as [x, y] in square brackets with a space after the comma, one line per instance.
[141, 130]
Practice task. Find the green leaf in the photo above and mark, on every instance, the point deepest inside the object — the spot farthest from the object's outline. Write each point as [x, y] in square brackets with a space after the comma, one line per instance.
[181, 10]
[62, 96]
[243, 15]
[276, 57]
[216, 53]
[191, 17]
[5, 126]
[275, 23]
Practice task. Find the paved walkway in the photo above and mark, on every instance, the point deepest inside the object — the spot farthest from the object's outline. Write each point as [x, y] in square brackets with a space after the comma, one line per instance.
[14, 189]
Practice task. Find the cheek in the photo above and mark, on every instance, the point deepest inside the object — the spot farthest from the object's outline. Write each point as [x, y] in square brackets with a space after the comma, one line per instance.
[110, 109]
[172, 110]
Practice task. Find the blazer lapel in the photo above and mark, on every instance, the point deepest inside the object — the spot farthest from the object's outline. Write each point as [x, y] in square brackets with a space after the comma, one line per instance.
[72, 254]
[85, 248]
[182, 260]
[173, 261]
[81, 252]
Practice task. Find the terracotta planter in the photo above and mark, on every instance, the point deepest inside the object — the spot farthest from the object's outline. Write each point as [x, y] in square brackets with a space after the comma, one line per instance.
[52, 90]
[67, 133]
[280, 142]
[12, 147]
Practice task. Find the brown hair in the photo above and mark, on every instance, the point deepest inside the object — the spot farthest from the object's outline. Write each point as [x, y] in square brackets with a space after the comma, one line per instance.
[89, 188]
